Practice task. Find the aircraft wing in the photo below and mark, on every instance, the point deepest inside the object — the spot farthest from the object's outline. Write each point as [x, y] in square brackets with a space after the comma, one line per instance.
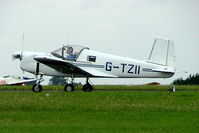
[67, 67]
[97, 73]
[13, 81]
[20, 82]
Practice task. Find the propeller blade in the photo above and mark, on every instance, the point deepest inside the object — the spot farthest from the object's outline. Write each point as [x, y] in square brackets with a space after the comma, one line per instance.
[17, 55]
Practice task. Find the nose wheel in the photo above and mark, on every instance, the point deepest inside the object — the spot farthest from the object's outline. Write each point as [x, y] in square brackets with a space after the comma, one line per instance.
[37, 87]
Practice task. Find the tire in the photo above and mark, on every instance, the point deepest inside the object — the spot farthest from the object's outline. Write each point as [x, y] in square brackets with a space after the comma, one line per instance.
[87, 87]
[36, 88]
[69, 88]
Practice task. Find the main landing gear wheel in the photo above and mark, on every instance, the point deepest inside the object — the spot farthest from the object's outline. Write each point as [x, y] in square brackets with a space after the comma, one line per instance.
[69, 87]
[37, 88]
[87, 87]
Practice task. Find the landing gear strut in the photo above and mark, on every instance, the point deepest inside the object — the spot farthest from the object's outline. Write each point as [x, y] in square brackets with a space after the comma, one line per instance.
[87, 87]
[37, 87]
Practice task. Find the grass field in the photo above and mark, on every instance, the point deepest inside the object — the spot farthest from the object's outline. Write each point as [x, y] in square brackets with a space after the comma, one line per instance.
[99, 112]
[110, 87]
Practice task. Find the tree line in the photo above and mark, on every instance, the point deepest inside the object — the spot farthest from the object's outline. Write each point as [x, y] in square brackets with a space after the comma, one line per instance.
[55, 80]
[193, 79]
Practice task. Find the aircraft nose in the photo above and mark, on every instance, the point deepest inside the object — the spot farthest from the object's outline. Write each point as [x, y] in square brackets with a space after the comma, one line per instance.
[17, 55]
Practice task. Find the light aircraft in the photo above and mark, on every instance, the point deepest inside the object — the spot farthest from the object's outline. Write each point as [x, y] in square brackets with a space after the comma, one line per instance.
[15, 80]
[78, 61]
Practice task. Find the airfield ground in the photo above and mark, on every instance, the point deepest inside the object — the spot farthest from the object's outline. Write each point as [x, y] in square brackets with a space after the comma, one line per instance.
[98, 112]
[112, 87]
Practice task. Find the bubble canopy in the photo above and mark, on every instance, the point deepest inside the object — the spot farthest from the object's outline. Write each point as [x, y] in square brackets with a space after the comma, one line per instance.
[69, 52]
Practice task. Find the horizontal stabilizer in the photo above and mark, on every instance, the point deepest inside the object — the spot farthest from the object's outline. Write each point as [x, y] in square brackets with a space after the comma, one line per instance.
[164, 70]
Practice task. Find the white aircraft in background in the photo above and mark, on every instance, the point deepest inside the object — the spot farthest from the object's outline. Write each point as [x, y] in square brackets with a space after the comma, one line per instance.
[77, 61]
[15, 80]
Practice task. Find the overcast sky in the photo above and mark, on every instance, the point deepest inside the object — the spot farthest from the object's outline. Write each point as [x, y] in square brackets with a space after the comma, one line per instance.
[122, 27]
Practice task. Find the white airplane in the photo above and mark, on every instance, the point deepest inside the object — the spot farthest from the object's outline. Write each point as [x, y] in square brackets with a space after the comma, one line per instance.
[77, 61]
[15, 80]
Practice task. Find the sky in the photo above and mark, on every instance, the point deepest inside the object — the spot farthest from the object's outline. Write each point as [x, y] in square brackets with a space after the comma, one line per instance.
[121, 27]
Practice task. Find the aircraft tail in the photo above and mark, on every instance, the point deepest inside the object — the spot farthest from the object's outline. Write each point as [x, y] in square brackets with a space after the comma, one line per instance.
[162, 52]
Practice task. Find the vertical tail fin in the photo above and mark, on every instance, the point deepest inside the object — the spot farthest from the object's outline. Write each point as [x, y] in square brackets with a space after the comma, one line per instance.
[162, 52]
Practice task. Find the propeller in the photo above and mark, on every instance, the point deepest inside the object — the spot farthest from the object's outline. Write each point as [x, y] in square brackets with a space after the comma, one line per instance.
[19, 54]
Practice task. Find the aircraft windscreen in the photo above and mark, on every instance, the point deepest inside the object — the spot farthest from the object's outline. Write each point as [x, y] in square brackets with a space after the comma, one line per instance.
[69, 52]
[57, 53]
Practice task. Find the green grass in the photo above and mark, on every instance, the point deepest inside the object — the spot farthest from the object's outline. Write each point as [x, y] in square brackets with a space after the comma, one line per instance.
[98, 112]
[110, 87]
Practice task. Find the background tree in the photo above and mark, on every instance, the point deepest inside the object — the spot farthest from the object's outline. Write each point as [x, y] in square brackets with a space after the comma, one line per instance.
[191, 80]
[30, 83]
[58, 80]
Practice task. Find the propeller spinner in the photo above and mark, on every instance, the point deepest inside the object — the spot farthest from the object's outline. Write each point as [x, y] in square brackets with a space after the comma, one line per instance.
[17, 55]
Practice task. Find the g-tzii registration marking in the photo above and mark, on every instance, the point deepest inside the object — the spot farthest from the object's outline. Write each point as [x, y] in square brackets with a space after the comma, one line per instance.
[124, 67]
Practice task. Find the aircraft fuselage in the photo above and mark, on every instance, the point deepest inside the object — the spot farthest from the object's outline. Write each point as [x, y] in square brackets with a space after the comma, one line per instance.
[121, 67]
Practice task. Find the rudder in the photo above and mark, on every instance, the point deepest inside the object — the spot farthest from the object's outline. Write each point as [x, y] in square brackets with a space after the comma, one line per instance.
[162, 52]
